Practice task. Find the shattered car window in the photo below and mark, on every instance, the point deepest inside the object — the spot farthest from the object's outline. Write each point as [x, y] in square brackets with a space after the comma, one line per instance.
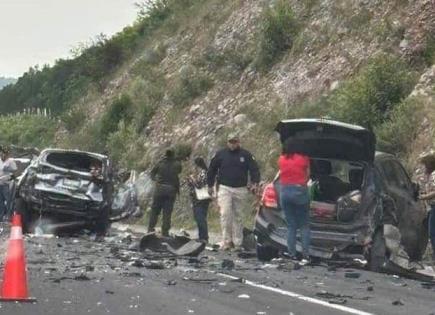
[73, 161]
[395, 175]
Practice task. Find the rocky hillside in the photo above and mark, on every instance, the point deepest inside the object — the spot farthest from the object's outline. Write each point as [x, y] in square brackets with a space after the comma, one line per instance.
[207, 67]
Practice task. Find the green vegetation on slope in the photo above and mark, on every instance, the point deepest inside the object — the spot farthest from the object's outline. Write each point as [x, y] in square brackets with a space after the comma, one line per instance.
[373, 97]
[277, 33]
[58, 87]
[27, 130]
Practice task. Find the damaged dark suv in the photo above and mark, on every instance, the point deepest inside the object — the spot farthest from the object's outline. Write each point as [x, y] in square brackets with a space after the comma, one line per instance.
[67, 186]
[354, 192]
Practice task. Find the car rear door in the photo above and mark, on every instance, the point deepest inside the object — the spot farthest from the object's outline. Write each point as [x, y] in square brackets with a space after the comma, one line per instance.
[398, 186]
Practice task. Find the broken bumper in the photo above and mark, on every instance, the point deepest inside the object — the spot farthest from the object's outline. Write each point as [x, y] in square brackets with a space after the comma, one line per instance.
[270, 230]
[49, 202]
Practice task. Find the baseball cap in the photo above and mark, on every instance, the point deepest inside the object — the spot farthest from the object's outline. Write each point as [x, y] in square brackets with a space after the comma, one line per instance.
[233, 136]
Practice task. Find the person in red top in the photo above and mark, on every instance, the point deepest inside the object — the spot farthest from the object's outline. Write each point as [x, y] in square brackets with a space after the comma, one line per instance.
[294, 168]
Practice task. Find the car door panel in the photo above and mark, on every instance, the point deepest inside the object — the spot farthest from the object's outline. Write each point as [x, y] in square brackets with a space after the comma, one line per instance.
[399, 187]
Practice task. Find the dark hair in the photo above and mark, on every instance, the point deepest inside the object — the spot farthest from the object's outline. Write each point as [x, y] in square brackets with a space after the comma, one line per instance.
[5, 150]
[429, 164]
[292, 146]
[199, 161]
[169, 153]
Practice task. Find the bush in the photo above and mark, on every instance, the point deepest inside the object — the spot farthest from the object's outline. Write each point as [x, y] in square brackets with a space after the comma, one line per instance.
[368, 99]
[228, 58]
[147, 95]
[74, 119]
[429, 50]
[189, 86]
[125, 147]
[183, 151]
[27, 130]
[397, 133]
[120, 109]
[87, 138]
[60, 86]
[144, 116]
[278, 29]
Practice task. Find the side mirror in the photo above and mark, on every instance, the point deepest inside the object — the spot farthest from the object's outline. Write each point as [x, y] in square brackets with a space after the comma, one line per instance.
[415, 190]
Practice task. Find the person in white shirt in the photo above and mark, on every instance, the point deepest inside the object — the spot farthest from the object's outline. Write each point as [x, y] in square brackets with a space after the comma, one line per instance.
[7, 169]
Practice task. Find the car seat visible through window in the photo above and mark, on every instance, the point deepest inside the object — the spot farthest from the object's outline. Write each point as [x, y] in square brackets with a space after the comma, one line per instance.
[330, 187]
[355, 178]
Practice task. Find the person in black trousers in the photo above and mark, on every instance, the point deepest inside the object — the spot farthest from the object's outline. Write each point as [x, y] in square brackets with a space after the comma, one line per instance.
[102, 223]
[165, 175]
[200, 207]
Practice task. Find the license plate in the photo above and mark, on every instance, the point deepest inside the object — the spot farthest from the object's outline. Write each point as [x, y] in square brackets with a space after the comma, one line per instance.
[71, 183]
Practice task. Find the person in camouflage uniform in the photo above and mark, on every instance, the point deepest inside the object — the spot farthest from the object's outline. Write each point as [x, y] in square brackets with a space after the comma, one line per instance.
[427, 184]
[165, 174]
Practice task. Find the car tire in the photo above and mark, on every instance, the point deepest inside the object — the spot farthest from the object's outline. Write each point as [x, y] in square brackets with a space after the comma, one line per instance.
[23, 208]
[266, 253]
[378, 252]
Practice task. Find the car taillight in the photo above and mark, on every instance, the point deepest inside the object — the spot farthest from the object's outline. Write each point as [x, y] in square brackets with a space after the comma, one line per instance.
[269, 198]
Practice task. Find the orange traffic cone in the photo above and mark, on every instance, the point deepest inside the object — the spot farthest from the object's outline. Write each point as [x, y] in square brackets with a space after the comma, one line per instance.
[14, 287]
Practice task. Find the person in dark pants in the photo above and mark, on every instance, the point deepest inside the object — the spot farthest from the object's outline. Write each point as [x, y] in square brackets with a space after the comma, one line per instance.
[294, 168]
[199, 205]
[7, 170]
[165, 174]
[102, 222]
[428, 194]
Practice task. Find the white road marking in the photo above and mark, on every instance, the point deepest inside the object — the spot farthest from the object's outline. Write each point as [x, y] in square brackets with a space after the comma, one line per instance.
[16, 233]
[299, 296]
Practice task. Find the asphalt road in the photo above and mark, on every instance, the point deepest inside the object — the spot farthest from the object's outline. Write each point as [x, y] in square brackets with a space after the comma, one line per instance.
[74, 275]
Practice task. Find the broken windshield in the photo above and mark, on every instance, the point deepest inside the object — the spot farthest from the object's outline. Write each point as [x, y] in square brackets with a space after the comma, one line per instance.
[75, 161]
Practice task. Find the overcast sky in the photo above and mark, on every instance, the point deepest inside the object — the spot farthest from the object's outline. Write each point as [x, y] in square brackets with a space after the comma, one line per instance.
[41, 31]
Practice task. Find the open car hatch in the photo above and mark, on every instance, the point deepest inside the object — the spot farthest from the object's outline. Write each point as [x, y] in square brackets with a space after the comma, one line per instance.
[322, 138]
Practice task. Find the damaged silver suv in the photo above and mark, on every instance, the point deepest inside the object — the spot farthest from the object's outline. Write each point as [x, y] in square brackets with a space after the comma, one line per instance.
[68, 186]
[354, 190]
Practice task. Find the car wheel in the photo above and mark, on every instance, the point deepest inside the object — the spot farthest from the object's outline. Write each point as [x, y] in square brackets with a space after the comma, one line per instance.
[23, 208]
[378, 252]
[266, 253]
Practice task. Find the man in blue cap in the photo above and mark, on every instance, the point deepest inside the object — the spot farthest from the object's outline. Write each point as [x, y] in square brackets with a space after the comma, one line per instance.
[231, 166]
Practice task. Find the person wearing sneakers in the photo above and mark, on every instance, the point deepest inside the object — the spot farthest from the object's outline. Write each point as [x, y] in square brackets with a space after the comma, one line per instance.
[231, 166]
[7, 169]
[294, 173]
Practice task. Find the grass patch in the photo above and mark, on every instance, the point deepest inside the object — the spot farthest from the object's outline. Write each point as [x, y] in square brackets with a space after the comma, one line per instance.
[229, 58]
[368, 98]
[397, 133]
[190, 84]
[278, 29]
[27, 130]
[146, 96]
[126, 148]
[429, 50]
[120, 109]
